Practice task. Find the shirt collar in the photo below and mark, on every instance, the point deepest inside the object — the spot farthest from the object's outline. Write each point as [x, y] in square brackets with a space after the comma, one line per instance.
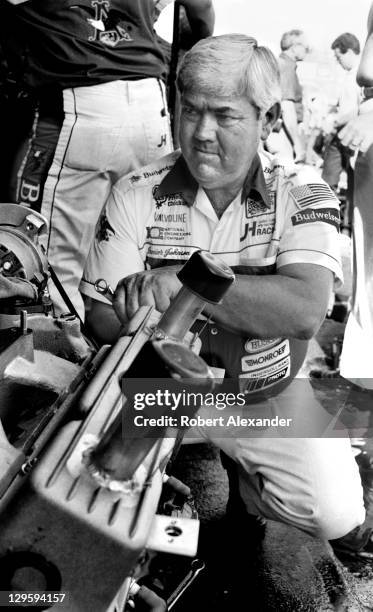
[180, 180]
[255, 186]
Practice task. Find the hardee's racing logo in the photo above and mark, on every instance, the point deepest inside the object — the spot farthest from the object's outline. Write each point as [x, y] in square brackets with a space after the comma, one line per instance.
[256, 229]
[108, 25]
[312, 215]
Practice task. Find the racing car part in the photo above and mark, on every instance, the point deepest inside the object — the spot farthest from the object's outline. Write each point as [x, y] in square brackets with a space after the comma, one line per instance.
[205, 278]
[22, 256]
[64, 530]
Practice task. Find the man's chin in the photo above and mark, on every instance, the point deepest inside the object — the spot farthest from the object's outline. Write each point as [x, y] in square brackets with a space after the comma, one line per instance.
[206, 175]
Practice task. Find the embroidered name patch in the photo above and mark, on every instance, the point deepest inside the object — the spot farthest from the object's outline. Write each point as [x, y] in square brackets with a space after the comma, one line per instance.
[312, 193]
[312, 215]
[264, 369]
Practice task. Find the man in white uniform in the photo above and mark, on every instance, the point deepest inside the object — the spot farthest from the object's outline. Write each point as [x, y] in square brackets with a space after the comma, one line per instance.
[278, 229]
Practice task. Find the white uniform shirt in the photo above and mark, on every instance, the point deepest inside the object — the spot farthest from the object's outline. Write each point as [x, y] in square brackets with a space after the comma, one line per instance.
[159, 216]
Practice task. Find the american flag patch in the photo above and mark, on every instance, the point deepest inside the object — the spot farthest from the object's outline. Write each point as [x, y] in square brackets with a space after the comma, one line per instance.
[312, 193]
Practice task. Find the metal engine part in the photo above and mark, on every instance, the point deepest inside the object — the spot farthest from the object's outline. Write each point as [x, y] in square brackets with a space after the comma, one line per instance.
[22, 256]
[63, 528]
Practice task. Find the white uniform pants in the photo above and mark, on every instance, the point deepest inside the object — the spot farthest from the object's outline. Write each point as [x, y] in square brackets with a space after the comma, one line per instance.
[311, 482]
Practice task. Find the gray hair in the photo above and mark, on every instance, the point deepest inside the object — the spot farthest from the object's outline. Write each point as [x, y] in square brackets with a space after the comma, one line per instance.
[289, 38]
[216, 61]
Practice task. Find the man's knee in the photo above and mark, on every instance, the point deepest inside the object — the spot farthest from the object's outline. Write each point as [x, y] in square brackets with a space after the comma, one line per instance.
[335, 521]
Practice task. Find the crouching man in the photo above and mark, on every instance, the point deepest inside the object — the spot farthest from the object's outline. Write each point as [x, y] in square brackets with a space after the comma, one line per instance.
[277, 227]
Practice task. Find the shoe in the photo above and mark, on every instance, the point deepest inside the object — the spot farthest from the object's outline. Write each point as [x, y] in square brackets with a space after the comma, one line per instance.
[358, 545]
[239, 524]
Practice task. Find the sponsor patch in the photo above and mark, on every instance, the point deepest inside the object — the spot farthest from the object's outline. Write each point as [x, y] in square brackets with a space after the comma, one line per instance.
[252, 207]
[257, 228]
[104, 229]
[171, 199]
[159, 200]
[255, 345]
[170, 217]
[262, 369]
[134, 178]
[156, 232]
[312, 215]
[312, 193]
[157, 172]
[259, 361]
[162, 253]
[252, 382]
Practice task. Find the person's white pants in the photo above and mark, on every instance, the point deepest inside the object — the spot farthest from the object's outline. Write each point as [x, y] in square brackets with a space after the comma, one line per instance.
[311, 482]
[109, 130]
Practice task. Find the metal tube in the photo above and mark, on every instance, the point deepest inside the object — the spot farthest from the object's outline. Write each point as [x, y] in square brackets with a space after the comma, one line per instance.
[180, 316]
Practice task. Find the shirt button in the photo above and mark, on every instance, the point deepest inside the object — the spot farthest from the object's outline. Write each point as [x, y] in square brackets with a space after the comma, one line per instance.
[214, 331]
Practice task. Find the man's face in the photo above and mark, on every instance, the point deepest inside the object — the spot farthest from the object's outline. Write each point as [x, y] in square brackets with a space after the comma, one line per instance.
[301, 48]
[346, 60]
[219, 137]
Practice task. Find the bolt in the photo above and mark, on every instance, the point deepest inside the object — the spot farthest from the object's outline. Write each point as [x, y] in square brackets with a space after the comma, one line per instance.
[23, 322]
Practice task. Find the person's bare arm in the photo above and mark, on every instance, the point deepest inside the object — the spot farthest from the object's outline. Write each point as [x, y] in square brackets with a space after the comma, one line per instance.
[102, 322]
[292, 303]
[289, 117]
[149, 288]
[201, 17]
[358, 133]
[365, 71]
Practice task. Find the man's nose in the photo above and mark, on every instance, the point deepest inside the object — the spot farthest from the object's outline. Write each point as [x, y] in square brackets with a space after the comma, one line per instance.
[205, 128]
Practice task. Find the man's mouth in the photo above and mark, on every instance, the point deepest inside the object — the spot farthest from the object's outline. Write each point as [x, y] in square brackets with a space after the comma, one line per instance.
[200, 151]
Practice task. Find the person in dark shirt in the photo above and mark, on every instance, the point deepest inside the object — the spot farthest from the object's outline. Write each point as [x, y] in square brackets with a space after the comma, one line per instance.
[98, 71]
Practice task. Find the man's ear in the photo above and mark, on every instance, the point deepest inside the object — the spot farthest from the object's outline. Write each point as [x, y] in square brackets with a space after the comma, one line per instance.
[270, 119]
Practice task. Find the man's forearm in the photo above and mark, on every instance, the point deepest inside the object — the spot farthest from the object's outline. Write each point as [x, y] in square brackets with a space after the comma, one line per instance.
[102, 322]
[201, 17]
[273, 306]
[291, 303]
[342, 118]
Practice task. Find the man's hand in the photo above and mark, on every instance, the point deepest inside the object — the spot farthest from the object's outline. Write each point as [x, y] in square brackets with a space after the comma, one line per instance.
[151, 288]
[358, 133]
[201, 17]
[147, 601]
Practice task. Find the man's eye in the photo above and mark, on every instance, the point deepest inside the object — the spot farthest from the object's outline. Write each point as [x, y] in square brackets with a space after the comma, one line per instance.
[226, 120]
[189, 111]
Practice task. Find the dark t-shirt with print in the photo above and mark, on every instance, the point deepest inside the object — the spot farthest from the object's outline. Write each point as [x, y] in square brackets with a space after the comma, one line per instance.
[72, 43]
